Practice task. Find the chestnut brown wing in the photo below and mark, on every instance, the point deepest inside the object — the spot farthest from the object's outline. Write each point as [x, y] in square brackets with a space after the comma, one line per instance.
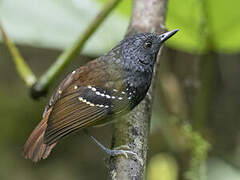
[84, 98]
[84, 107]
[85, 75]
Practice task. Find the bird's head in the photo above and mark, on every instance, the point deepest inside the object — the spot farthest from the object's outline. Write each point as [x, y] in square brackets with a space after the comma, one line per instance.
[143, 48]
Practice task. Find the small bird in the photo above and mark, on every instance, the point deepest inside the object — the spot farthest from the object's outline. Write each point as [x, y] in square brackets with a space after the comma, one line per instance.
[98, 92]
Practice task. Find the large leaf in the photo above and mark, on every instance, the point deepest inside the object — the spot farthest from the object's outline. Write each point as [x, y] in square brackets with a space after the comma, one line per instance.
[56, 23]
[198, 19]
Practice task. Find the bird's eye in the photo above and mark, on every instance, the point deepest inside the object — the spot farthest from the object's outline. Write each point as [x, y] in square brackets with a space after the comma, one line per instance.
[148, 45]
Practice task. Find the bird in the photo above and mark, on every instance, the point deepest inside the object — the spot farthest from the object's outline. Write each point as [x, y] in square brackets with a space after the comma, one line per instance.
[98, 92]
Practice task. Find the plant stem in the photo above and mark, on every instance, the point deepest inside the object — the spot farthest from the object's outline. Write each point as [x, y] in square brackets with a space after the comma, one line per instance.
[22, 68]
[67, 55]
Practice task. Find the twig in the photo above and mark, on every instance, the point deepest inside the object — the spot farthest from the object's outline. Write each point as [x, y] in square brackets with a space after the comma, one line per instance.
[21, 66]
[67, 55]
[147, 16]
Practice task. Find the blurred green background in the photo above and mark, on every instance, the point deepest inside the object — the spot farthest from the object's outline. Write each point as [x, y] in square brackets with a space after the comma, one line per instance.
[198, 85]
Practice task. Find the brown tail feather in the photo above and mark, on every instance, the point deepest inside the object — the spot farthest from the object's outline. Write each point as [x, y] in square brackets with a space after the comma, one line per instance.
[35, 148]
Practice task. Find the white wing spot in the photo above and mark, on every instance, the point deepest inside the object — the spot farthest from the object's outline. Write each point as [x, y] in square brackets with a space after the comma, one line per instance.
[94, 89]
[73, 72]
[106, 106]
[102, 95]
[75, 87]
[113, 97]
[90, 87]
[120, 98]
[107, 96]
[123, 92]
[115, 90]
[98, 93]
[59, 92]
[85, 101]
[100, 105]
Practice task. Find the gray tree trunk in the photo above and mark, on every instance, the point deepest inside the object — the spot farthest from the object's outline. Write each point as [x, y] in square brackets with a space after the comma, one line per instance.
[133, 130]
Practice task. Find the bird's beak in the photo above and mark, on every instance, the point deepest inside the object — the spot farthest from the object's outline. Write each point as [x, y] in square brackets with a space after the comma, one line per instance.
[163, 37]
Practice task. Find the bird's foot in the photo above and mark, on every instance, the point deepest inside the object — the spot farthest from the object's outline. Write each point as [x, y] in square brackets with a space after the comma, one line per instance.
[124, 150]
[120, 150]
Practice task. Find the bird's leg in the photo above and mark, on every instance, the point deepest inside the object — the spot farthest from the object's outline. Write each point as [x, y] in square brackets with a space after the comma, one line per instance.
[121, 150]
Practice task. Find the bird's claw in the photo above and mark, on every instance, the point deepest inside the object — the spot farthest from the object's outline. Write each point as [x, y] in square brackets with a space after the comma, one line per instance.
[119, 151]
[125, 153]
[123, 147]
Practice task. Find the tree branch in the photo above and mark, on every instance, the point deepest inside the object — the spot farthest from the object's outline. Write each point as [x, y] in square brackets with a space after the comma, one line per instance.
[22, 68]
[67, 55]
[133, 130]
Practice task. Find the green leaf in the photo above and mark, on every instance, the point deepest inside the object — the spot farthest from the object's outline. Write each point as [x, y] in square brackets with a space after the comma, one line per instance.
[56, 23]
[201, 21]
[124, 7]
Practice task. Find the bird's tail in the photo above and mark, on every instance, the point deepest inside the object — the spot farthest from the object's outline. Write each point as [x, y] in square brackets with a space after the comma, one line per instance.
[35, 148]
